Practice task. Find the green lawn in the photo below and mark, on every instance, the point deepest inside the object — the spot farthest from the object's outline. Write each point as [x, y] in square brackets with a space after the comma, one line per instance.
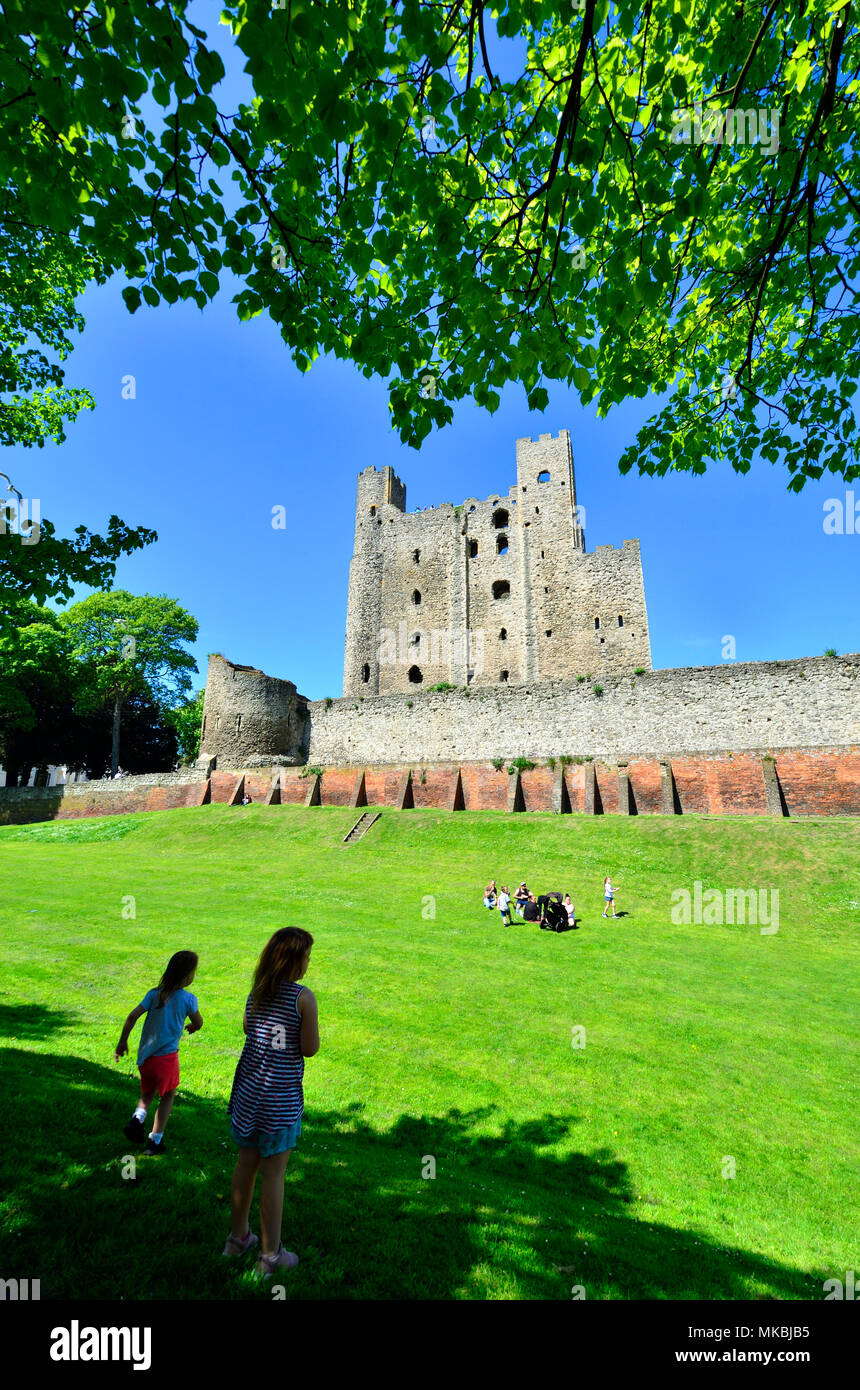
[447, 1037]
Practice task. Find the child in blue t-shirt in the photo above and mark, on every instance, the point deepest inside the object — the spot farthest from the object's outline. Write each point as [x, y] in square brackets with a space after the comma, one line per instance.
[166, 1008]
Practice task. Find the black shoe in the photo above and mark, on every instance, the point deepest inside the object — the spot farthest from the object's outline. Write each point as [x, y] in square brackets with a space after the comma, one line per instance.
[153, 1148]
[135, 1130]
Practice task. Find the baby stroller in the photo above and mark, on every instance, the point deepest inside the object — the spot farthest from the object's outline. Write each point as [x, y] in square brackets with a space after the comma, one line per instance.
[554, 914]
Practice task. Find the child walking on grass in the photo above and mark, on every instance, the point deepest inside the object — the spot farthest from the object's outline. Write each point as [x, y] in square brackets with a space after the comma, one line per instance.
[267, 1100]
[166, 1008]
[609, 897]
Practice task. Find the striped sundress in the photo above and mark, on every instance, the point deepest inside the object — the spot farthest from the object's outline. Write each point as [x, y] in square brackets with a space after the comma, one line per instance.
[267, 1090]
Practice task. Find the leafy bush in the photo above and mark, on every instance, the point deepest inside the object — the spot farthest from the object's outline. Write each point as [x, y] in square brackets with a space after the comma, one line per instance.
[521, 765]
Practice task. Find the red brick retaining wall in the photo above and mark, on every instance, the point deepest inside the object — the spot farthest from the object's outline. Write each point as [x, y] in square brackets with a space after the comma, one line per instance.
[809, 782]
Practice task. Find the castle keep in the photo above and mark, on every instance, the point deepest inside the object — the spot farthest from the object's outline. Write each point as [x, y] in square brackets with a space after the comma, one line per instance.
[490, 592]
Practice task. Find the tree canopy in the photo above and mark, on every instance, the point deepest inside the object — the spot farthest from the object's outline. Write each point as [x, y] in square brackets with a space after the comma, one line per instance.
[131, 646]
[69, 681]
[659, 198]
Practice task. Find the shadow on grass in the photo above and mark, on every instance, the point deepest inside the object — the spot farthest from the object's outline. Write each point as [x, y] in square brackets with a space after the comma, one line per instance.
[501, 1218]
[33, 1022]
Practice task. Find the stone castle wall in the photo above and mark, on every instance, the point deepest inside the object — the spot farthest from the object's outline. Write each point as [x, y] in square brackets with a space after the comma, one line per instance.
[246, 712]
[752, 705]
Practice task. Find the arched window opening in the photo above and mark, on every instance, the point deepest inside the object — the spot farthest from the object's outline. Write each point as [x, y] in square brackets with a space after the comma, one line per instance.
[472, 508]
[473, 549]
[373, 511]
[537, 509]
[501, 544]
[503, 635]
[501, 589]
[503, 675]
[415, 675]
[543, 477]
[416, 596]
[416, 556]
[365, 673]
[620, 620]
[500, 519]
[415, 639]
[596, 624]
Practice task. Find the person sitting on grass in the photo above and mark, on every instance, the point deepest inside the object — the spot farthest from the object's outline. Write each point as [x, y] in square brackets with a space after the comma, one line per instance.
[505, 905]
[521, 897]
[267, 1100]
[166, 1008]
[609, 897]
[531, 911]
[490, 894]
[570, 910]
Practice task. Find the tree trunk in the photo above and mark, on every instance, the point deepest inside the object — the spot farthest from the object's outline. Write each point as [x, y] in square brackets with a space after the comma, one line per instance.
[114, 754]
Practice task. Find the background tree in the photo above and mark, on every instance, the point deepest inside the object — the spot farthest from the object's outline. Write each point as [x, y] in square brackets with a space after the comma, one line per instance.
[186, 721]
[47, 715]
[400, 203]
[39, 683]
[148, 739]
[131, 647]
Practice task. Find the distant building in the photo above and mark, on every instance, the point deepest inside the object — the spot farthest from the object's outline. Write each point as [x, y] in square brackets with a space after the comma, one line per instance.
[57, 777]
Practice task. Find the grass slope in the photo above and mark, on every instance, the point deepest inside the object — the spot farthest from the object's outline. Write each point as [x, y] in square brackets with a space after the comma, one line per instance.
[443, 1036]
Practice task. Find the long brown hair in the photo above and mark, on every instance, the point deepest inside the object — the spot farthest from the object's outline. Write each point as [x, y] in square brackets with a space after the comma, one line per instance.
[179, 967]
[281, 960]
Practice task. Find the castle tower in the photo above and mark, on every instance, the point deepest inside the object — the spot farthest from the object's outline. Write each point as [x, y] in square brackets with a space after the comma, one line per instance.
[381, 496]
[494, 591]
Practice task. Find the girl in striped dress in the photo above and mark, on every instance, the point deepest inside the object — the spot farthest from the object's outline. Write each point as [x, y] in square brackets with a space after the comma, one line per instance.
[267, 1099]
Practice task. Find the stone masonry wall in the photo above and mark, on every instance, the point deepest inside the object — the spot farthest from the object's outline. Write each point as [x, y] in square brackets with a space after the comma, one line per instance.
[148, 792]
[246, 712]
[808, 703]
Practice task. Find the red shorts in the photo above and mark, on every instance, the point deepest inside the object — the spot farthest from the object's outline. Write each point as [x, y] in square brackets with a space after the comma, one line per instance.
[160, 1074]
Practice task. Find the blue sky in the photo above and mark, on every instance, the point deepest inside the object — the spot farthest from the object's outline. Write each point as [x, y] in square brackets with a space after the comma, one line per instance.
[224, 428]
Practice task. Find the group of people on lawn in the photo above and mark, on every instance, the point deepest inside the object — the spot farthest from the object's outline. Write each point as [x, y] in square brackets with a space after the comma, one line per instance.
[531, 908]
